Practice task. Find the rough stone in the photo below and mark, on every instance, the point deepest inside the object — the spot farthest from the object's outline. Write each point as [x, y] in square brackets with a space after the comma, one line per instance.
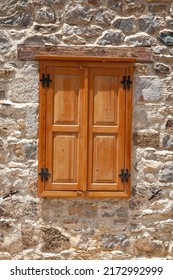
[21, 20]
[54, 240]
[140, 39]
[148, 89]
[45, 15]
[84, 210]
[111, 37]
[144, 139]
[125, 24]
[166, 173]
[57, 3]
[154, 8]
[79, 14]
[162, 68]
[169, 22]
[166, 37]
[133, 8]
[149, 245]
[115, 5]
[169, 124]
[2, 94]
[27, 232]
[103, 17]
[110, 241]
[150, 23]
[45, 29]
[92, 31]
[5, 43]
[30, 150]
[74, 39]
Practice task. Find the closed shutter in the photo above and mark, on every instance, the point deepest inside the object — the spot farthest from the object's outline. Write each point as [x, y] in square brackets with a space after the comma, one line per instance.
[84, 136]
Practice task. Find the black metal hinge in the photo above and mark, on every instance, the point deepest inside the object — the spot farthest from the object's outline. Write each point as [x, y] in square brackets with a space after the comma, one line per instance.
[45, 80]
[44, 174]
[124, 175]
[126, 82]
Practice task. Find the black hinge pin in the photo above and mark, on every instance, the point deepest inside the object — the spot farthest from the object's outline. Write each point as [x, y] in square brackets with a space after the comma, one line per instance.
[124, 175]
[45, 80]
[126, 82]
[44, 174]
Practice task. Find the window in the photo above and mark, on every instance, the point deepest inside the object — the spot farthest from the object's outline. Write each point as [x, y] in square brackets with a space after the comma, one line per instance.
[85, 128]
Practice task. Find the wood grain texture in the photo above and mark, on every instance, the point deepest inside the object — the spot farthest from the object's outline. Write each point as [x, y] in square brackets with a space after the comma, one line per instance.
[85, 129]
[48, 52]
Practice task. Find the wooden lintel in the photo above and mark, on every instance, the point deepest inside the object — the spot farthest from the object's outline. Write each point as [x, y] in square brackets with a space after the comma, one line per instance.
[32, 52]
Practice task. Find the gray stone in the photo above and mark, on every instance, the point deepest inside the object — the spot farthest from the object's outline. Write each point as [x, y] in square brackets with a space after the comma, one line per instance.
[168, 142]
[45, 29]
[115, 5]
[125, 24]
[148, 89]
[79, 14]
[32, 122]
[104, 17]
[140, 40]
[166, 173]
[111, 37]
[45, 15]
[110, 241]
[162, 68]
[5, 43]
[150, 23]
[74, 39]
[57, 3]
[30, 150]
[88, 32]
[166, 37]
[21, 20]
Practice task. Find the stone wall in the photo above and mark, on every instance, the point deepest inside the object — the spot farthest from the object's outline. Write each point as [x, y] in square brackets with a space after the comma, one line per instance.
[35, 228]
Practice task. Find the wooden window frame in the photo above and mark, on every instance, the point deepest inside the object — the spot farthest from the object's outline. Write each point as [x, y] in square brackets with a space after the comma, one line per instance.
[48, 61]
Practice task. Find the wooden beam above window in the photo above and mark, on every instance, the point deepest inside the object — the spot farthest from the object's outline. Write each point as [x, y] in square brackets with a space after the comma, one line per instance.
[35, 52]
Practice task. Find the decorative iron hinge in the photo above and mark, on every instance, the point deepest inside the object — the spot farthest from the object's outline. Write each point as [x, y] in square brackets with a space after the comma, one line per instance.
[45, 80]
[126, 82]
[44, 174]
[124, 175]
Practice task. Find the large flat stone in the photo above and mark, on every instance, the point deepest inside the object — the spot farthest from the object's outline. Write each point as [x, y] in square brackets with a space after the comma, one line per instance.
[148, 89]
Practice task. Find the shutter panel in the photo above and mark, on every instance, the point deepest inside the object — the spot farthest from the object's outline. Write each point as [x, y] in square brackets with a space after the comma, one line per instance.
[85, 129]
[65, 151]
[106, 129]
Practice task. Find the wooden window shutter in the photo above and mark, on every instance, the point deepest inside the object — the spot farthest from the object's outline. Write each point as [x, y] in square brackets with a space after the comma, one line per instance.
[85, 128]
